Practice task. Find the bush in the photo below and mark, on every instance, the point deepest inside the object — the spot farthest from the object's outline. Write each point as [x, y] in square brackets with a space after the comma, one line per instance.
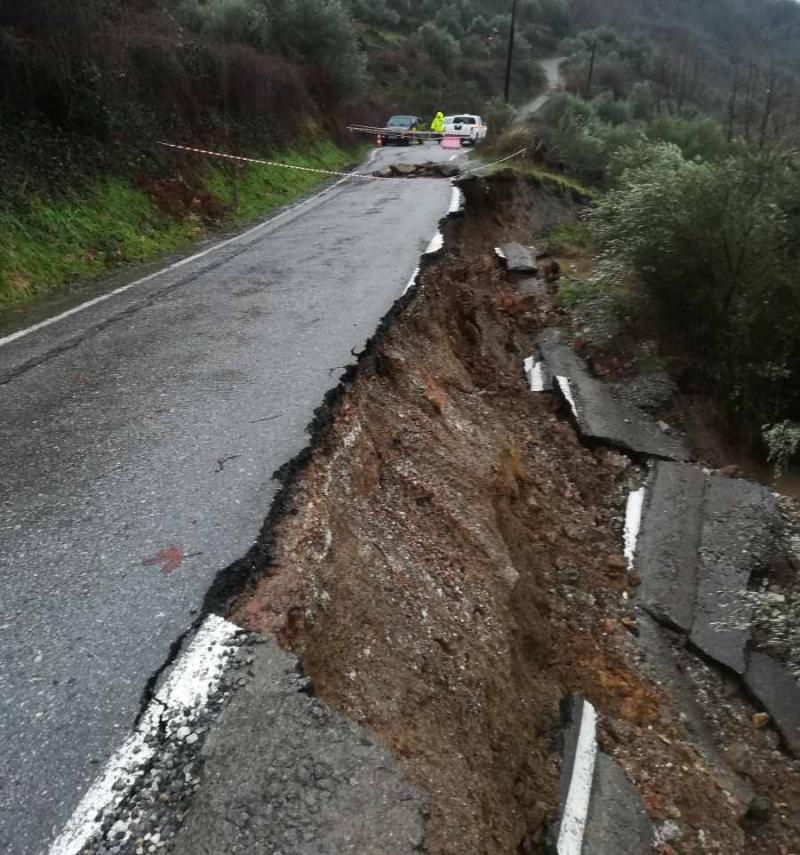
[577, 137]
[438, 45]
[498, 117]
[713, 246]
[783, 443]
[697, 138]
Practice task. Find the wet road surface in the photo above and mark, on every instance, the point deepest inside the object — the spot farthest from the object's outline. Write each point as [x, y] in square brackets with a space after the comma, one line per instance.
[137, 442]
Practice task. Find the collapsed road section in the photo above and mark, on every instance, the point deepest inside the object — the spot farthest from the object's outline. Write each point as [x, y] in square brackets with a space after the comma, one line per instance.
[446, 565]
[704, 539]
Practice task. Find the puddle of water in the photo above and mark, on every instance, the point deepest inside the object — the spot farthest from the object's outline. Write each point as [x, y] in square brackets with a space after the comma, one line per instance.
[788, 483]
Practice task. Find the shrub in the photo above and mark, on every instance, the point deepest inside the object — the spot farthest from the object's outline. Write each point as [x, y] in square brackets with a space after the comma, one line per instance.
[783, 443]
[697, 138]
[713, 246]
[438, 45]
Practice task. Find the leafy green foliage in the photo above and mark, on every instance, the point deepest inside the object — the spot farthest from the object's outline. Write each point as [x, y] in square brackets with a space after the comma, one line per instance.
[783, 443]
[713, 245]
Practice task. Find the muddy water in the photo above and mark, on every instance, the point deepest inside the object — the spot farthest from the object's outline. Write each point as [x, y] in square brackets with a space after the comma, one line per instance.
[788, 484]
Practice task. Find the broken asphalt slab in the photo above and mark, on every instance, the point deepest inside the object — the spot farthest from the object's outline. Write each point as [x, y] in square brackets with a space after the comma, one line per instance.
[601, 812]
[702, 537]
[518, 259]
[669, 538]
[286, 775]
[778, 690]
[533, 287]
[599, 416]
[736, 541]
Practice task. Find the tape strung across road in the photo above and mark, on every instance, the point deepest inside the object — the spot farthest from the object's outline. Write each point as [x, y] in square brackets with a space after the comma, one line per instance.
[242, 159]
[403, 132]
[494, 163]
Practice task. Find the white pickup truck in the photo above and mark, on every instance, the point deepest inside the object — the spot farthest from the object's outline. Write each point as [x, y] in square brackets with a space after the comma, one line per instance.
[465, 125]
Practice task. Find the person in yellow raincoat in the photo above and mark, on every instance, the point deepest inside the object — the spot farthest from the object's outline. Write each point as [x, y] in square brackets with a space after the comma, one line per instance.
[437, 125]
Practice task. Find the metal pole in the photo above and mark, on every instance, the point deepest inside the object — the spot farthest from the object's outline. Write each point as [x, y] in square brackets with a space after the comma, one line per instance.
[510, 50]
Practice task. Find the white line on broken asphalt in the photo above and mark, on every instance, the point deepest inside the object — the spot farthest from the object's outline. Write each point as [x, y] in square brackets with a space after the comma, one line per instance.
[566, 391]
[576, 807]
[412, 281]
[436, 243]
[456, 202]
[194, 677]
[633, 522]
[534, 371]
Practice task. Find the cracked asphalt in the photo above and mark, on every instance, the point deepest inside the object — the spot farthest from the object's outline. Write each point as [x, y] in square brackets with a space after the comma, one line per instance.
[138, 438]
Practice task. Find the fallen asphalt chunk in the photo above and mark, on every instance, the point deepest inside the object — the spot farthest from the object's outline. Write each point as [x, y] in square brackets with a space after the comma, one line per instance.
[778, 690]
[668, 543]
[599, 416]
[701, 539]
[517, 258]
[539, 379]
[618, 823]
[601, 812]
[286, 774]
[736, 541]
[533, 287]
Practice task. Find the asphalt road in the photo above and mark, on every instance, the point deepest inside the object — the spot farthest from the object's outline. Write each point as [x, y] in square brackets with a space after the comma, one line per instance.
[137, 442]
[553, 75]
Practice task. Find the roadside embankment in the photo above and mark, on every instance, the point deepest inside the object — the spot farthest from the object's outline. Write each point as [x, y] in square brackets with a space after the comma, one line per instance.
[51, 246]
[449, 566]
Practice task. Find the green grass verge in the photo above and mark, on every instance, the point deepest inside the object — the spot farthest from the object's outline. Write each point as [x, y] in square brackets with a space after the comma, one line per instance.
[49, 244]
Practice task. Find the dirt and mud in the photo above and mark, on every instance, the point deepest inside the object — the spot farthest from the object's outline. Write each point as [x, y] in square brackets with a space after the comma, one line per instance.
[449, 564]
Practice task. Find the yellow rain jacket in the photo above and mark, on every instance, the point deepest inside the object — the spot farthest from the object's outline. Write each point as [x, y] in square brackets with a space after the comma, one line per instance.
[437, 125]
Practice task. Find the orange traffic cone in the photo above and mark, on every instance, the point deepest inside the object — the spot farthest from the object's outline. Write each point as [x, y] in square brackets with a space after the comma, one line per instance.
[379, 141]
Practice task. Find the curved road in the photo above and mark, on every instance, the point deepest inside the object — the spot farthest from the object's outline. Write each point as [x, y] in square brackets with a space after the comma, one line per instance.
[138, 437]
[552, 71]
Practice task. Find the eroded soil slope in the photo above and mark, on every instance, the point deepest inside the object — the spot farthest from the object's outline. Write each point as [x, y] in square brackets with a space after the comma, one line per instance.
[450, 565]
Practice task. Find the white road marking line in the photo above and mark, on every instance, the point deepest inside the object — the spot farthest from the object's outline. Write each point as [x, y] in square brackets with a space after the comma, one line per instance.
[453, 156]
[535, 373]
[576, 807]
[566, 391]
[457, 201]
[195, 675]
[633, 522]
[174, 266]
[412, 281]
[436, 243]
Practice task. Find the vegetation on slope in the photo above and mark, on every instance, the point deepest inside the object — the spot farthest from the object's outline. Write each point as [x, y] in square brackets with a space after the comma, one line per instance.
[113, 221]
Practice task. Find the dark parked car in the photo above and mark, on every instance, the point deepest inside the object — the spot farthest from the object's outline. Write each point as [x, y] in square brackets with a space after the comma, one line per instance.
[403, 126]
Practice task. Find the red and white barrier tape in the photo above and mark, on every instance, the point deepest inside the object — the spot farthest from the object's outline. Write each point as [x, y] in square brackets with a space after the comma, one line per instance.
[241, 159]
[403, 132]
[488, 165]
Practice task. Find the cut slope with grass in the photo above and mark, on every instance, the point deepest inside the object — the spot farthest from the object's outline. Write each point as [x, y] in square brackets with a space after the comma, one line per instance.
[49, 244]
